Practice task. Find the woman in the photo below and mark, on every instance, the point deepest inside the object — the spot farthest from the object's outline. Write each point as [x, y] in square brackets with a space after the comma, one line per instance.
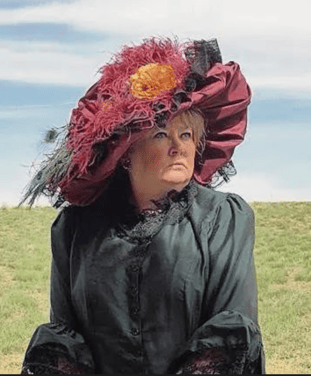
[152, 270]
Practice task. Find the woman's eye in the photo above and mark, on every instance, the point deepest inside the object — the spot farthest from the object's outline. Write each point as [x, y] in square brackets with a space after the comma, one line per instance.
[160, 135]
[186, 135]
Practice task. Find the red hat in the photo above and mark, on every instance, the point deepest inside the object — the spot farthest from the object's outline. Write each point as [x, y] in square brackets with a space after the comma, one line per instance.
[144, 86]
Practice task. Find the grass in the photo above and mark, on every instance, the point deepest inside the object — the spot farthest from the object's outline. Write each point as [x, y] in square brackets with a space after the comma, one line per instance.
[24, 280]
[282, 258]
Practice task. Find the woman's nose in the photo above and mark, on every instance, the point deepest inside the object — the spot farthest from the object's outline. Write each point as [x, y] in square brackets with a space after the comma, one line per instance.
[176, 147]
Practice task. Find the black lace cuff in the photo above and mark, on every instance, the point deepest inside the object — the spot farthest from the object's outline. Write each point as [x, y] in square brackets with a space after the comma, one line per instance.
[56, 349]
[228, 343]
[216, 361]
[51, 359]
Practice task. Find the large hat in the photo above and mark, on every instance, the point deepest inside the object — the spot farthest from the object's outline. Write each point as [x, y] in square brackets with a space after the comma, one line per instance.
[141, 87]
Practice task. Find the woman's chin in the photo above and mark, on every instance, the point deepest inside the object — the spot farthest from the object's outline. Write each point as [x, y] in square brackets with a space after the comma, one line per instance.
[175, 178]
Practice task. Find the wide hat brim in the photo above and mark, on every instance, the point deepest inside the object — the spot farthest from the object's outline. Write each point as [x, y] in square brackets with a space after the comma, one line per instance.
[109, 118]
[223, 102]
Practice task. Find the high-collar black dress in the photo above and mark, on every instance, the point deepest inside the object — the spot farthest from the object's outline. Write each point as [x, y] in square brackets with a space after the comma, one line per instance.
[165, 291]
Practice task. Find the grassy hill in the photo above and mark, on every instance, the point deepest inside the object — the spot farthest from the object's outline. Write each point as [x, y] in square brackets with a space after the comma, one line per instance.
[282, 257]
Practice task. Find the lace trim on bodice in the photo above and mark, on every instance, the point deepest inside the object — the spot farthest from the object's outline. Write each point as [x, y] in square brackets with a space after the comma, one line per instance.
[172, 209]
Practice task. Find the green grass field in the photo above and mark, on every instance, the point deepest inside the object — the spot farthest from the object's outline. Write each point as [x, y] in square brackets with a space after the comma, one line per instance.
[282, 258]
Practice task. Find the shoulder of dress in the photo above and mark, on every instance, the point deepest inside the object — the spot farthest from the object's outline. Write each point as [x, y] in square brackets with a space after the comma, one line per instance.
[66, 213]
[72, 211]
[66, 219]
[208, 203]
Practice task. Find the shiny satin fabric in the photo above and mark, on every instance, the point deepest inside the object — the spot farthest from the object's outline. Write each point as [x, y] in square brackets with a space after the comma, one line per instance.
[147, 305]
[223, 102]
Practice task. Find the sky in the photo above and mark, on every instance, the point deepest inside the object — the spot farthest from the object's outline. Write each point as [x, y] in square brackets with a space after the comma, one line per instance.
[51, 51]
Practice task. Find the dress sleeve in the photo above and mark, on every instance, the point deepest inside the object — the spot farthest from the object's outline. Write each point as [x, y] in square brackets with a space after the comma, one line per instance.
[56, 347]
[228, 339]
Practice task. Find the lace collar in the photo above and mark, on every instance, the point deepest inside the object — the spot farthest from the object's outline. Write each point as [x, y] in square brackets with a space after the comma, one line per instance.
[141, 227]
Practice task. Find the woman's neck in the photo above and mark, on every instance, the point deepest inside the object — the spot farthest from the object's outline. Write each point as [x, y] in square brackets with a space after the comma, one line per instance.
[144, 199]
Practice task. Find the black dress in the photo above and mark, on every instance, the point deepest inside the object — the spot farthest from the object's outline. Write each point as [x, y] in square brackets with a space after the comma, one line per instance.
[165, 291]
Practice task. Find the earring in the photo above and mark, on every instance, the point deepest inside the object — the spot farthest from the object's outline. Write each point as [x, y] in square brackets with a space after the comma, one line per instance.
[126, 164]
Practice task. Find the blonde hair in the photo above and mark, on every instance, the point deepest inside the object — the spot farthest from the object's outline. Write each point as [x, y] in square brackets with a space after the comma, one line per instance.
[194, 119]
[191, 118]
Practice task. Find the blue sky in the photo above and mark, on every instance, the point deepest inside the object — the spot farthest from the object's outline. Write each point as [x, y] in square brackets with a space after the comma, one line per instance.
[51, 52]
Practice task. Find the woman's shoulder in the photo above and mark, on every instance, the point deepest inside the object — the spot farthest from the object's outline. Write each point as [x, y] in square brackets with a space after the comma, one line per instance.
[64, 222]
[67, 219]
[210, 204]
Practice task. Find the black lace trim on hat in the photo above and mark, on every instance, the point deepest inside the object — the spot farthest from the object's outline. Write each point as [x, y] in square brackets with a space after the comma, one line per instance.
[223, 175]
[202, 55]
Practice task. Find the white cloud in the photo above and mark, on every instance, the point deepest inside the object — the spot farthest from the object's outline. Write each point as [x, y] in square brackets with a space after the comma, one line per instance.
[267, 17]
[11, 198]
[53, 63]
[280, 82]
[270, 39]
[24, 112]
[50, 67]
[120, 16]
[264, 187]
[138, 16]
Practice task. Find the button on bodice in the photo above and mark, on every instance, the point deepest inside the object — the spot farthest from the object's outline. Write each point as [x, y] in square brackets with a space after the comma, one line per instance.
[135, 332]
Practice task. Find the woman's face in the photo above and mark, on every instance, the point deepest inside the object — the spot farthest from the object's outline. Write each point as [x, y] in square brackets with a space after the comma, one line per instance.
[164, 157]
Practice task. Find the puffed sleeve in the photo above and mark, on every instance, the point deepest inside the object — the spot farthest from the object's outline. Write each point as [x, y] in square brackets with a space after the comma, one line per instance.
[57, 347]
[229, 338]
